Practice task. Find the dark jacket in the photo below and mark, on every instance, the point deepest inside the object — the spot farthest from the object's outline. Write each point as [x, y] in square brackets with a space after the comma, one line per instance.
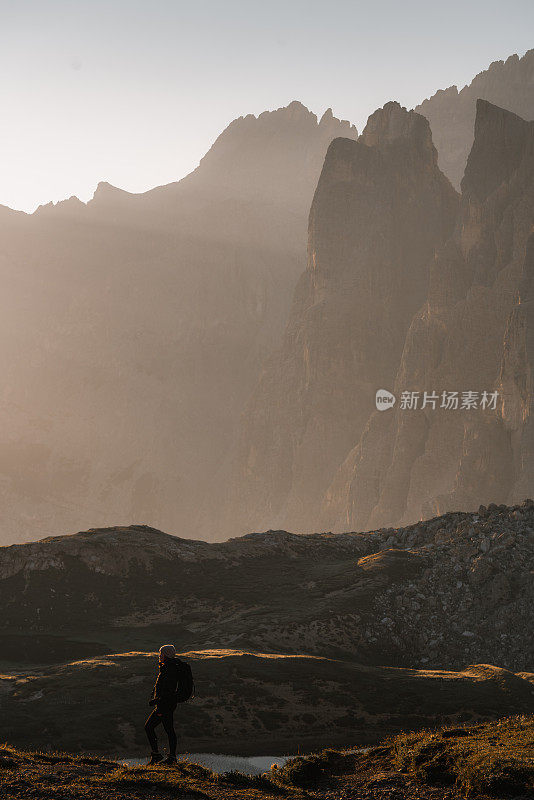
[165, 686]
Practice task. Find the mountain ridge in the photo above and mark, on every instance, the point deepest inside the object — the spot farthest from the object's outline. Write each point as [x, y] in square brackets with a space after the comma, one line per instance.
[440, 593]
[507, 83]
[263, 122]
[150, 313]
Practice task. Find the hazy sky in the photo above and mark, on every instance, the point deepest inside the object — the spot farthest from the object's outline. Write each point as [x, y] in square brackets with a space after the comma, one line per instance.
[135, 92]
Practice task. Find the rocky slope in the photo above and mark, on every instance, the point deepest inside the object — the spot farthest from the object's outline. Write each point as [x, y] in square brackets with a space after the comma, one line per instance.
[381, 208]
[134, 328]
[451, 113]
[472, 334]
[450, 591]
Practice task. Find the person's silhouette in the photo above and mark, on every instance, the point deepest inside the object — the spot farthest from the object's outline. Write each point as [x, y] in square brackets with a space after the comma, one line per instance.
[164, 700]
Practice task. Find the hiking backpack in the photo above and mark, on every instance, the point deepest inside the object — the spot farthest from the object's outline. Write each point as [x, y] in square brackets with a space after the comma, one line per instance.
[186, 685]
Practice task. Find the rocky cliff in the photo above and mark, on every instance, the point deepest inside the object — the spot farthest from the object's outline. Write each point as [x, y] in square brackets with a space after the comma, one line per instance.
[473, 334]
[381, 208]
[134, 328]
[451, 113]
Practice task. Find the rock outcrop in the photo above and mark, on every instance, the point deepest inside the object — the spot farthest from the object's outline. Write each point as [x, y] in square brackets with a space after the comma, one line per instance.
[451, 113]
[381, 208]
[472, 334]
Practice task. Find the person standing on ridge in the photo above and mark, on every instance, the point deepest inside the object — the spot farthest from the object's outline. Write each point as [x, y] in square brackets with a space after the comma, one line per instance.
[165, 700]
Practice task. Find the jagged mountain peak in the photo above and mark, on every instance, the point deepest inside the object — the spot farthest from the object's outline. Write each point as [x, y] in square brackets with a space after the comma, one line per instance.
[499, 147]
[508, 66]
[106, 191]
[104, 186]
[295, 107]
[393, 122]
[295, 114]
[337, 127]
[451, 113]
[292, 111]
[288, 141]
[68, 206]
[497, 69]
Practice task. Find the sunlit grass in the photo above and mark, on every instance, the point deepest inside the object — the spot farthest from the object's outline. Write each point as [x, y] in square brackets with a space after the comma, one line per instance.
[496, 758]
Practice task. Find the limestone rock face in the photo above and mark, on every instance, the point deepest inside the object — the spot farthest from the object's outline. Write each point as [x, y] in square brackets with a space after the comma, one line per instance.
[516, 380]
[451, 113]
[474, 333]
[134, 328]
[381, 208]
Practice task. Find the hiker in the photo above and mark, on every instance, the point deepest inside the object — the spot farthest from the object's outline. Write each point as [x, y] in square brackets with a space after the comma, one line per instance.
[165, 700]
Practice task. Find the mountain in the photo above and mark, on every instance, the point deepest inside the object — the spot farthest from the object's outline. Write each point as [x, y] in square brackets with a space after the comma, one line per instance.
[472, 334]
[380, 210]
[135, 326]
[443, 593]
[406, 291]
[451, 113]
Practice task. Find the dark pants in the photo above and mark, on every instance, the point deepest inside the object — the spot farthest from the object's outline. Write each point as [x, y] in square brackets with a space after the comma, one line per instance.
[166, 717]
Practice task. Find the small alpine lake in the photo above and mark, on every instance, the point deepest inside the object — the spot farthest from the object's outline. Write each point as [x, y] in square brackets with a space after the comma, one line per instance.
[250, 765]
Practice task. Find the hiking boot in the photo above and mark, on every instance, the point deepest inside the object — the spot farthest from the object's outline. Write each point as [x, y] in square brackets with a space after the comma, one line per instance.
[155, 758]
[170, 760]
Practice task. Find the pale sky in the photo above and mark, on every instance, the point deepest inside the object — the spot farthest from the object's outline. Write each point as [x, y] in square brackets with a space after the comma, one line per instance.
[135, 93]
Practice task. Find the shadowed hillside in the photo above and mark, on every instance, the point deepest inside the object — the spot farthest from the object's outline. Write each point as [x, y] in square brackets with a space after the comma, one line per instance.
[445, 592]
[249, 703]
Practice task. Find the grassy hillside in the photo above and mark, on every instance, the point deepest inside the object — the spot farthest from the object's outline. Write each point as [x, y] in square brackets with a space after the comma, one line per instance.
[60, 776]
[248, 703]
[493, 759]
